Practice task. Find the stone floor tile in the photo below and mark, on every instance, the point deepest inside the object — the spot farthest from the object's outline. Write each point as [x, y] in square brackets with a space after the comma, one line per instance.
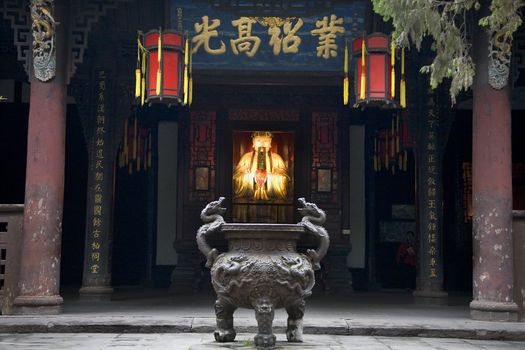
[496, 345]
[204, 341]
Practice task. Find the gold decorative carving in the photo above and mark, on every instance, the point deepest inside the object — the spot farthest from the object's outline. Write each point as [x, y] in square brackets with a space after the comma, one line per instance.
[43, 29]
[272, 21]
[500, 52]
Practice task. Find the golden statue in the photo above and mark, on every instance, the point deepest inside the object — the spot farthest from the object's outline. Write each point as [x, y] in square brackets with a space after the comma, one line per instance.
[261, 174]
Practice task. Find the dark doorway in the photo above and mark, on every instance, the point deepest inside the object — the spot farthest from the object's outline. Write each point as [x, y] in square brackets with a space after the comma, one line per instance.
[75, 185]
[392, 178]
[134, 200]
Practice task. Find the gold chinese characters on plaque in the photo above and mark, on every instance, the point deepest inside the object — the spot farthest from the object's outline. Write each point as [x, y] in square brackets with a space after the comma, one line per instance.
[282, 37]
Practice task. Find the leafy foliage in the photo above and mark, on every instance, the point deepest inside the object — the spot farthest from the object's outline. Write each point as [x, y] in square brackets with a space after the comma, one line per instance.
[445, 22]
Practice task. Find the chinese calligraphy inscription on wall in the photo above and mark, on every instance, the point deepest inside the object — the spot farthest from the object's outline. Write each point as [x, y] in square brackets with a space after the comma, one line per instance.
[98, 199]
[431, 188]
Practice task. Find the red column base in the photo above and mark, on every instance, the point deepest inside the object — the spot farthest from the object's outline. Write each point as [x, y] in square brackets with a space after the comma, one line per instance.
[485, 310]
[38, 305]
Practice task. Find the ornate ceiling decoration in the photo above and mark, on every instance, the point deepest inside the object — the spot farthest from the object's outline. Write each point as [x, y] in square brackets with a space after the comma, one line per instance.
[85, 13]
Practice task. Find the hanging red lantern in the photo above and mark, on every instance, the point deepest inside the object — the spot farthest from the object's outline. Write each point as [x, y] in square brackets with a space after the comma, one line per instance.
[374, 70]
[162, 67]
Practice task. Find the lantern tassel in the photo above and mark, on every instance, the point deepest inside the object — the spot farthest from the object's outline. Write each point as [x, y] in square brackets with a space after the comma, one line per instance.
[402, 93]
[345, 66]
[159, 44]
[186, 81]
[345, 91]
[143, 82]
[137, 82]
[157, 88]
[393, 66]
[137, 71]
[345, 80]
[402, 84]
[159, 59]
[190, 91]
[362, 92]
[190, 83]
[143, 93]
[143, 68]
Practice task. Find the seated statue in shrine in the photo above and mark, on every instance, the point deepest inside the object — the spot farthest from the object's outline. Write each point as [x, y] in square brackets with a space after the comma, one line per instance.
[261, 175]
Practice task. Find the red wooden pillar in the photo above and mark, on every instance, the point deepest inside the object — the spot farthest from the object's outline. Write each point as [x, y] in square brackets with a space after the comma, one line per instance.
[39, 279]
[493, 280]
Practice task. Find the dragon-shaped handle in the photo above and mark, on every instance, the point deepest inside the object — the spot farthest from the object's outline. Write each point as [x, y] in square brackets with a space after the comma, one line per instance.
[313, 218]
[211, 215]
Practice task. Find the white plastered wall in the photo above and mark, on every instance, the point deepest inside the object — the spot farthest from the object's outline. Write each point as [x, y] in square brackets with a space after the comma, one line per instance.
[167, 193]
[356, 258]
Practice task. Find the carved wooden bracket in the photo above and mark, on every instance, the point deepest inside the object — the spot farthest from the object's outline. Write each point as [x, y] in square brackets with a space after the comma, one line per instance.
[38, 19]
[44, 43]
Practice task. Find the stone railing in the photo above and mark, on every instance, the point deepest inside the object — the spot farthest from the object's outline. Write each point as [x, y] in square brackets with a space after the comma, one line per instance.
[11, 222]
[518, 229]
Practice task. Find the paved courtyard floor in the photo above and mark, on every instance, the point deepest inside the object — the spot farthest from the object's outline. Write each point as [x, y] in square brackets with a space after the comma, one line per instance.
[201, 341]
[355, 314]
[159, 320]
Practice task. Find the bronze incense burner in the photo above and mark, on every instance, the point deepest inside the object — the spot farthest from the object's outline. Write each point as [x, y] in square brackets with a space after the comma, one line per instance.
[262, 270]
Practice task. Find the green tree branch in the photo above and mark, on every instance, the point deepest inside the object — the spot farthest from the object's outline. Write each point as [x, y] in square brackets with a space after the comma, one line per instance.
[445, 22]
